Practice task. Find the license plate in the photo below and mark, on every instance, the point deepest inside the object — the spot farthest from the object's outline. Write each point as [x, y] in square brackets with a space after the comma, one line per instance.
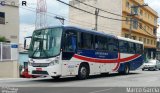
[39, 69]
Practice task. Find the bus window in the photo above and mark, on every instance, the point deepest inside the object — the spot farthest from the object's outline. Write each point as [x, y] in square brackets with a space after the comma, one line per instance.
[139, 48]
[70, 41]
[123, 46]
[112, 45]
[101, 43]
[86, 41]
[131, 48]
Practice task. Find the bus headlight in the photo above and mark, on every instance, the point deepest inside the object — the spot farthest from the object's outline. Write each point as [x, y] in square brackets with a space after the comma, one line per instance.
[54, 62]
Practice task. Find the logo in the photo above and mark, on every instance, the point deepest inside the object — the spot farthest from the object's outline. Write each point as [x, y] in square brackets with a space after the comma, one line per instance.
[9, 90]
[12, 3]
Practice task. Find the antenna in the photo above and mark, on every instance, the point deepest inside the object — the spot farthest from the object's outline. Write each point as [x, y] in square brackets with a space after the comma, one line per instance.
[41, 18]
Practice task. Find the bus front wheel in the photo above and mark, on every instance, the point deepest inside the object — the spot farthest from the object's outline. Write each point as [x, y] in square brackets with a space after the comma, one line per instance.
[83, 72]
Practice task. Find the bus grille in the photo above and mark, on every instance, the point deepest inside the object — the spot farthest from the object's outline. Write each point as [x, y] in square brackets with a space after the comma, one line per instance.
[40, 64]
[40, 72]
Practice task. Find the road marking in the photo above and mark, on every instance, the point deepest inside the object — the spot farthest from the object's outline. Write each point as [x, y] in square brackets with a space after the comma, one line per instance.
[100, 90]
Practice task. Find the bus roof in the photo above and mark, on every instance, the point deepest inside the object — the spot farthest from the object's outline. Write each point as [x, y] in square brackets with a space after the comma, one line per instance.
[130, 40]
[90, 31]
[95, 32]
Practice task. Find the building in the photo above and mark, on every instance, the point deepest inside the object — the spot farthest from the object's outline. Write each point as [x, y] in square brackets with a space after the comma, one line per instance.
[9, 20]
[143, 25]
[158, 50]
[86, 20]
[9, 28]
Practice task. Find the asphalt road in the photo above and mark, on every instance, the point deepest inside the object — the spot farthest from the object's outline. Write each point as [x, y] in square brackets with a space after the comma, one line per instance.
[95, 84]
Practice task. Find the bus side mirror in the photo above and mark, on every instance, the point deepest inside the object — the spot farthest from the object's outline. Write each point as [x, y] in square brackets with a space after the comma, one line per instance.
[27, 41]
[25, 45]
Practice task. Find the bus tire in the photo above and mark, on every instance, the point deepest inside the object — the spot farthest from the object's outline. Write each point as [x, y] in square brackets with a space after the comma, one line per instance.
[83, 72]
[56, 78]
[126, 70]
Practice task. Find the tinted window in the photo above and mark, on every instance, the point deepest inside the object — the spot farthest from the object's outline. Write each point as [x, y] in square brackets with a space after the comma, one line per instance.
[85, 41]
[123, 46]
[101, 43]
[139, 48]
[70, 41]
[2, 18]
[112, 45]
[131, 47]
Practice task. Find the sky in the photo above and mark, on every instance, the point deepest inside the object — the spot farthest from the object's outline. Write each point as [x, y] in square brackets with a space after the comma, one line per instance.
[28, 15]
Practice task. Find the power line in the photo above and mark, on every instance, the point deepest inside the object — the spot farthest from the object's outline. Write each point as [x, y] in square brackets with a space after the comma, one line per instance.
[90, 12]
[71, 21]
[100, 9]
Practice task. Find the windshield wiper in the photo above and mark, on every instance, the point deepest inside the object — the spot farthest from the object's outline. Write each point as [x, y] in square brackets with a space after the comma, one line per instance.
[46, 54]
[35, 51]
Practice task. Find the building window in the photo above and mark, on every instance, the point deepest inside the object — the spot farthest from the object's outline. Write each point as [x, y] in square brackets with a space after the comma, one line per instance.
[134, 37]
[144, 40]
[145, 27]
[141, 12]
[154, 42]
[155, 31]
[126, 36]
[151, 42]
[140, 38]
[127, 5]
[135, 10]
[145, 14]
[127, 20]
[2, 18]
[135, 23]
[140, 25]
[155, 21]
[147, 41]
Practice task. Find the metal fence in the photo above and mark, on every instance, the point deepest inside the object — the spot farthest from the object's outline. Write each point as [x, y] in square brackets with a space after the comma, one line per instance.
[8, 51]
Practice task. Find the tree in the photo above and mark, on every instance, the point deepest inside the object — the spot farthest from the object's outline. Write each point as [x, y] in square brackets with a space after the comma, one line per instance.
[2, 39]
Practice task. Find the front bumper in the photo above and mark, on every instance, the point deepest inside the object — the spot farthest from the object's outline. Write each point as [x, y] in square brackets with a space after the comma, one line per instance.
[151, 67]
[46, 71]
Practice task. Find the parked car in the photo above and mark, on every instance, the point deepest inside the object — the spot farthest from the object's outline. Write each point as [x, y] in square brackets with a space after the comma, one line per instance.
[151, 64]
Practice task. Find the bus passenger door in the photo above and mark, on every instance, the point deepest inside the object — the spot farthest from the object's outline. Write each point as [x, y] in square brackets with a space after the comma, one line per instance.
[68, 51]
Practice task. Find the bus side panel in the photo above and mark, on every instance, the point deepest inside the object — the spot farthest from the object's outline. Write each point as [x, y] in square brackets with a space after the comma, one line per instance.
[70, 68]
[133, 64]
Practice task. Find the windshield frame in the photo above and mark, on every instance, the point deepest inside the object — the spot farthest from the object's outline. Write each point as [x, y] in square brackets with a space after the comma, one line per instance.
[31, 55]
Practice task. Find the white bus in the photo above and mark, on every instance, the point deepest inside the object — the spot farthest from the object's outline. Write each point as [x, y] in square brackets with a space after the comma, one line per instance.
[72, 51]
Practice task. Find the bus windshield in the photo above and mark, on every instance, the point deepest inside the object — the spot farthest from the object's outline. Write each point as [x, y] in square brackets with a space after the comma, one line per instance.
[45, 43]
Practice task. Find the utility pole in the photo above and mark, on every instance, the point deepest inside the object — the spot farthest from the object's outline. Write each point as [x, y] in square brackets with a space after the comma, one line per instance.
[131, 17]
[61, 19]
[131, 20]
[96, 18]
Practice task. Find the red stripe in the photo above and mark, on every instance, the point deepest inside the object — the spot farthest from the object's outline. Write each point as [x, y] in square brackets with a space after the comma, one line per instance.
[128, 58]
[105, 60]
[118, 61]
[94, 60]
[118, 64]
